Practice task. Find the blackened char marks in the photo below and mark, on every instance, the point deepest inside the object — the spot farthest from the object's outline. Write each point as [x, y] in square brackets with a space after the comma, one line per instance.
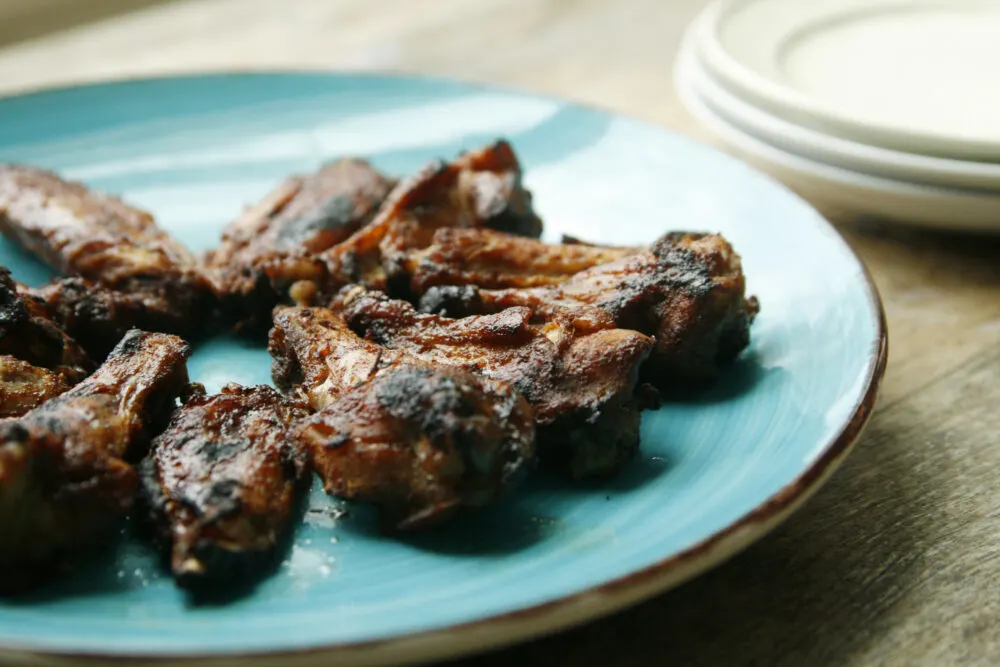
[222, 482]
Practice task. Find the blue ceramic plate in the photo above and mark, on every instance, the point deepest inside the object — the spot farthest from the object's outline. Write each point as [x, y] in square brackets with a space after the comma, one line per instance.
[714, 473]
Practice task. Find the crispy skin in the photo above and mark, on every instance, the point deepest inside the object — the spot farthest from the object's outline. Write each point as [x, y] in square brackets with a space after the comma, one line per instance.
[65, 480]
[481, 188]
[222, 481]
[98, 317]
[274, 245]
[28, 333]
[494, 260]
[101, 239]
[24, 387]
[420, 441]
[687, 290]
[582, 386]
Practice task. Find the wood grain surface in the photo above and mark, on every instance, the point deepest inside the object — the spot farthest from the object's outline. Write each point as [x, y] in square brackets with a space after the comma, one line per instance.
[897, 560]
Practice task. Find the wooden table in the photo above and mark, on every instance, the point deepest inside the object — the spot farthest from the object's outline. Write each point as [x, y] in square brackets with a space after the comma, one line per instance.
[897, 560]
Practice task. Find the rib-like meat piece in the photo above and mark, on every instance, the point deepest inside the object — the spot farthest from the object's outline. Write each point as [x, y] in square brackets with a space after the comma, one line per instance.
[24, 387]
[495, 260]
[274, 245]
[65, 480]
[688, 291]
[28, 333]
[481, 188]
[420, 441]
[222, 482]
[101, 239]
[582, 386]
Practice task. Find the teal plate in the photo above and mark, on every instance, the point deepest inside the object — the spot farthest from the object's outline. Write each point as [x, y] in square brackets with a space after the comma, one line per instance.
[715, 472]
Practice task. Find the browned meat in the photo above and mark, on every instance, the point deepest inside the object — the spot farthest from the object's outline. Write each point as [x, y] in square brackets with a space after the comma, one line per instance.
[24, 387]
[222, 482]
[98, 317]
[419, 441]
[65, 480]
[481, 188]
[494, 260]
[274, 245]
[103, 240]
[688, 291]
[27, 333]
[582, 386]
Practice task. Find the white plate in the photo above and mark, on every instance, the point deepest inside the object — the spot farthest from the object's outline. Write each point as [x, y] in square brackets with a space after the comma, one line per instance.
[834, 187]
[833, 150]
[911, 75]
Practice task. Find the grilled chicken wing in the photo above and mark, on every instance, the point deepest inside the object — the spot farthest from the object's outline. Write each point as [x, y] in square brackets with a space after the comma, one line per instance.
[482, 188]
[493, 260]
[24, 387]
[420, 441]
[582, 386]
[98, 317]
[103, 240]
[28, 333]
[65, 479]
[274, 246]
[688, 291]
[222, 482]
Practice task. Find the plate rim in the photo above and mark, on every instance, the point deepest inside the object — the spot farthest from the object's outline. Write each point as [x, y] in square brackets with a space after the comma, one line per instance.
[757, 150]
[777, 97]
[568, 611]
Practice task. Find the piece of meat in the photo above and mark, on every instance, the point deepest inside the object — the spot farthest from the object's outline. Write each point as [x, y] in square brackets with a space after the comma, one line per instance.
[274, 245]
[493, 260]
[418, 440]
[98, 317]
[222, 482]
[688, 291]
[24, 387]
[97, 237]
[481, 188]
[28, 333]
[65, 473]
[581, 385]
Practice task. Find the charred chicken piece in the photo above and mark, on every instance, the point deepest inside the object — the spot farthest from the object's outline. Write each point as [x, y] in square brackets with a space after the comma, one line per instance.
[481, 188]
[222, 482]
[582, 386]
[688, 291]
[493, 260]
[65, 477]
[27, 333]
[101, 239]
[419, 441]
[24, 387]
[98, 317]
[271, 251]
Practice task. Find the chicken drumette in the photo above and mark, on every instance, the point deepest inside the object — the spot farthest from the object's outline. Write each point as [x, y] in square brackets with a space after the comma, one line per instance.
[28, 333]
[272, 249]
[687, 290]
[420, 441]
[581, 385]
[222, 481]
[104, 241]
[65, 476]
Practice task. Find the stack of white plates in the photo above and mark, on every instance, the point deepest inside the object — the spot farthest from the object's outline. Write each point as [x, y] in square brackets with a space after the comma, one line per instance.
[887, 107]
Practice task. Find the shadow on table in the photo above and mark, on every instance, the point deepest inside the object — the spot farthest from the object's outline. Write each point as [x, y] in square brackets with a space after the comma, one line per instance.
[22, 20]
